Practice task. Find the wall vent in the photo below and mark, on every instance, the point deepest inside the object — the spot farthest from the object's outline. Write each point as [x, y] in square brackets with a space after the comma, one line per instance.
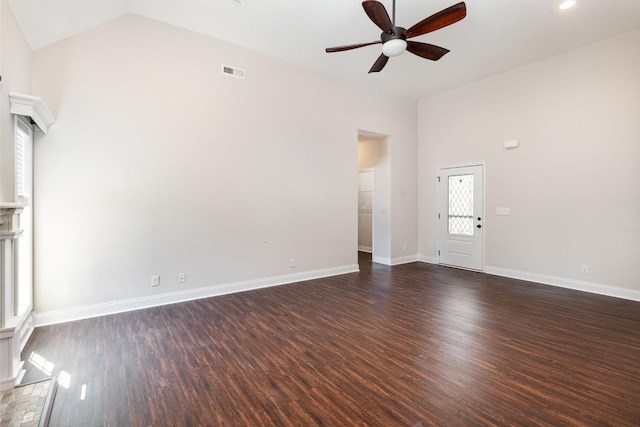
[233, 71]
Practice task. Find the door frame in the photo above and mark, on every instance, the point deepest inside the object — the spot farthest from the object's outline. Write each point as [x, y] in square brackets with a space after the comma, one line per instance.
[439, 207]
[373, 204]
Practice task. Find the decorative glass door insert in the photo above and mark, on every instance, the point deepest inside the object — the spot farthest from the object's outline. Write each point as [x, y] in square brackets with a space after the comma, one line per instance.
[460, 211]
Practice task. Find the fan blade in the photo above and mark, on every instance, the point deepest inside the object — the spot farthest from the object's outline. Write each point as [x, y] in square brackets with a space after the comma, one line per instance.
[350, 46]
[379, 64]
[425, 50]
[439, 20]
[378, 14]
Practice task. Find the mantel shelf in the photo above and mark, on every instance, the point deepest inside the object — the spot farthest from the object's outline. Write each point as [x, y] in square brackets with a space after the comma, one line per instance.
[34, 107]
[9, 226]
[12, 205]
[10, 208]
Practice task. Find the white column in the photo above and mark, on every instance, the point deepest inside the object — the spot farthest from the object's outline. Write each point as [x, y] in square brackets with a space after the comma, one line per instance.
[15, 327]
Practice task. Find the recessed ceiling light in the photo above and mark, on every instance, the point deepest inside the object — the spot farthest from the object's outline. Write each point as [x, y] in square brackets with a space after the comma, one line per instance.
[567, 4]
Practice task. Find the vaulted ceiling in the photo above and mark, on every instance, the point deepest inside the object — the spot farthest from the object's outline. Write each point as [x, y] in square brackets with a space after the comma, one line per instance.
[496, 35]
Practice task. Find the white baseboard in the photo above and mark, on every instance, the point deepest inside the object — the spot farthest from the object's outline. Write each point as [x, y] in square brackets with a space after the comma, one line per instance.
[561, 282]
[579, 285]
[26, 328]
[427, 259]
[367, 249]
[68, 315]
[404, 259]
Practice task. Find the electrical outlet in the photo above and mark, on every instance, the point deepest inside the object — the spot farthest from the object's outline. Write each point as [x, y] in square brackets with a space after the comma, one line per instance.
[292, 263]
[182, 277]
[155, 280]
[584, 269]
[404, 248]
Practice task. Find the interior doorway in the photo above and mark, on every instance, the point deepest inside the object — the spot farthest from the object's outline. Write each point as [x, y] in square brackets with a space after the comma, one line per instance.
[374, 223]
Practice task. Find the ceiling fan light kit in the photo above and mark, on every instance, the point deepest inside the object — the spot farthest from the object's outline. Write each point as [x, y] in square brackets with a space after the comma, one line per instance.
[567, 4]
[394, 39]
[394, 47]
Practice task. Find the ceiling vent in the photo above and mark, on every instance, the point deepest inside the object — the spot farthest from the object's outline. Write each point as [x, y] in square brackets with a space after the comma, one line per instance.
[233, 71]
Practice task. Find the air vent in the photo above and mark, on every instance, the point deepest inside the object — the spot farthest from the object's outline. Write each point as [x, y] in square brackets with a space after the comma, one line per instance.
[233, 71]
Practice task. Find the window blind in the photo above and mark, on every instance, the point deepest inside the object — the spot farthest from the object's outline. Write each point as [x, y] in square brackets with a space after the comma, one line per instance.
[23, 135]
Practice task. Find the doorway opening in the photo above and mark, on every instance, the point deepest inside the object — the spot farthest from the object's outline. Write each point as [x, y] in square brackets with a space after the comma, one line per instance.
[374, 197]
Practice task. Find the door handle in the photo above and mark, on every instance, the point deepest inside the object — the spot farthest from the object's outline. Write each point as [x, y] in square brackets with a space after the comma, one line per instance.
[478, 226]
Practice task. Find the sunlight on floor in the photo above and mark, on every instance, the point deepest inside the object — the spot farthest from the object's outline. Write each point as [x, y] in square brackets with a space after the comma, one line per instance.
[41, 363]
[64, 379]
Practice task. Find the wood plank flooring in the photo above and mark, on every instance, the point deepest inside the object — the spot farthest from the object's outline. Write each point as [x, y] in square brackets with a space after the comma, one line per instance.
[411, 345]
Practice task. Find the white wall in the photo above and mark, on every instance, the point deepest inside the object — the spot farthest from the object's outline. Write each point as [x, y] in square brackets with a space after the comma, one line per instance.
[158, 164]
[572, 185]
[15, 69]
[404, 202]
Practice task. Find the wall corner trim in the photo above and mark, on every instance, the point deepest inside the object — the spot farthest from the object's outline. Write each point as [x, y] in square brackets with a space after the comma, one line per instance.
[96, 310]
[427, 259]
[34, 107]
[404, 260]
[381, 260]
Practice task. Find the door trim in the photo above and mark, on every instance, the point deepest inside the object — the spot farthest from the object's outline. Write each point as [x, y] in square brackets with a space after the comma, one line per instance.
[484, 209]
[373, 204]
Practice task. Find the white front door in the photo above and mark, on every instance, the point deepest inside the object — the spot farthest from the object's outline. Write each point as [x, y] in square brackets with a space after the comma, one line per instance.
[461, 217]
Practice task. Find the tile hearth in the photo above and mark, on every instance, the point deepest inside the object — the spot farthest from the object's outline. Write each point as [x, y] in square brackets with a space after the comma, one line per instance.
[24, 405]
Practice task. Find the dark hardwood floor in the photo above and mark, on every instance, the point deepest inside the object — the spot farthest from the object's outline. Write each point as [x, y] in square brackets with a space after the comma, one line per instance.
[412, 345]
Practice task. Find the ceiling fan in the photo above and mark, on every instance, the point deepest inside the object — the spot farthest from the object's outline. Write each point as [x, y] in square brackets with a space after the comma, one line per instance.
[394, 39]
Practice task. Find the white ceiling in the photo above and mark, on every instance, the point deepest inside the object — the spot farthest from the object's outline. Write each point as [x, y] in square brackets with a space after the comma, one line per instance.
[496, 35]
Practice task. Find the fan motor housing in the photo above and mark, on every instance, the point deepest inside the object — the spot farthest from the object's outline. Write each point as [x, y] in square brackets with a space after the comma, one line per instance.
[398, 33]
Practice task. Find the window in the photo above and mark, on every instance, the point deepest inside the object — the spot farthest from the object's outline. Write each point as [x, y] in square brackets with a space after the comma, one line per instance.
[23, 179]
[23, 142]
[461, 204]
